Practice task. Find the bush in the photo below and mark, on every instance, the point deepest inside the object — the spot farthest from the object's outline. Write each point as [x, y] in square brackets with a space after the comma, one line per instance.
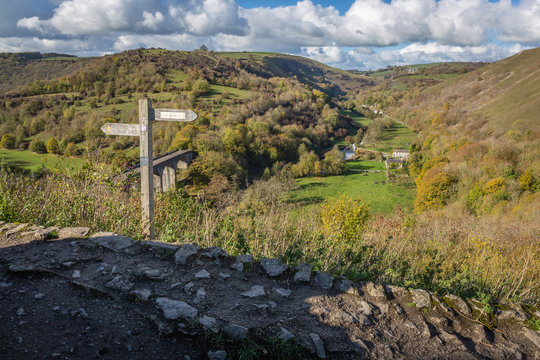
[8, 141]
[434, 190]
[37, 146]
[52, 146]
[344, 220]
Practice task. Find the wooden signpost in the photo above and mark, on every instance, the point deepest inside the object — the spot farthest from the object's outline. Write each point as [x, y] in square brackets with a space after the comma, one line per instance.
[144, 131]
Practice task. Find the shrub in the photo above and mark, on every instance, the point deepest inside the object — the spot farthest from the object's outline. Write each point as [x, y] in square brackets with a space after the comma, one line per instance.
[52, 146]
[493, 185]
[343, 220]
[434, 191]
[8, 141]
[37, 146]
[526, 181]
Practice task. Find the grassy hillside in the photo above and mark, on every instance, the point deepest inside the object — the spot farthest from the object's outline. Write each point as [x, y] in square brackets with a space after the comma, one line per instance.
[254, 112]
[480, 138]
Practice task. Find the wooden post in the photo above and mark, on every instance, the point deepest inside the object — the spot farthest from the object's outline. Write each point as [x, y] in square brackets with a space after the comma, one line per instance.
[147, 170]
[144, 131]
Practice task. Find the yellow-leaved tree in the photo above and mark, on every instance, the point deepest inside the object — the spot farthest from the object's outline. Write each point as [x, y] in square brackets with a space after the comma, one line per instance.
[342, 223]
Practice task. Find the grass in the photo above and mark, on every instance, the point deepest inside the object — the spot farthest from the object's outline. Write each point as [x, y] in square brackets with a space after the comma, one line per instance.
[369, 187]
[31, 161]
[397, 136]
[364, 165]
[358, 118]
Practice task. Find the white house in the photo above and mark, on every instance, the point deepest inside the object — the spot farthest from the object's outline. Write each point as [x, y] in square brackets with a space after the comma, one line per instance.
[400, 154]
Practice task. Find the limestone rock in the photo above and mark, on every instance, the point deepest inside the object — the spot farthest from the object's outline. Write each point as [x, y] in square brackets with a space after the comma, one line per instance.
[182, 255]
[319, 345]
[514, 314]
[217, 355]
[224, 275]
[324, 280]
[303, 273]
[255, 291]
[16, 229]
[142, 295]
[112, 241]
[273, 267]
[153, 274]
[461, 305]
[236, 331]
[377, 291]
[189, 287]
[7, 227]
[73, 232]
[245, 258]
[365, 308]
[203, 274]
[200, 296]
[208, 322]
[396, 291]
[346, 286]
[214, 252]
[175, 309]
[480, 333]
[284, 334]
[533, 336]
[119, 283]
[283, 292]
[159, 246]
[421, 298]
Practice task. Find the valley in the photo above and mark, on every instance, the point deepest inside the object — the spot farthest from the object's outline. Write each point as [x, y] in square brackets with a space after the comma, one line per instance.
[269, 178]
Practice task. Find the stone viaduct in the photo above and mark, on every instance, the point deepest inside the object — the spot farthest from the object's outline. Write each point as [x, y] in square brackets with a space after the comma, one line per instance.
[165, 167]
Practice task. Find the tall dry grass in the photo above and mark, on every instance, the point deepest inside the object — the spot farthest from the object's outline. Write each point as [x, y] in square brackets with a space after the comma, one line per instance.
[496, 257]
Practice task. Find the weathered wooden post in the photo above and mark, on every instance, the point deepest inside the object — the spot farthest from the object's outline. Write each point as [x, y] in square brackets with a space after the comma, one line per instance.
[147, 169]
[144, 131]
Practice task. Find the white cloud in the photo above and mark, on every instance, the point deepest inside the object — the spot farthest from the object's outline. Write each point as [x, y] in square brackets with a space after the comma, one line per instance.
[420, 53]
[152, 21]
[423, 29]
[31, 23]
[326, 54]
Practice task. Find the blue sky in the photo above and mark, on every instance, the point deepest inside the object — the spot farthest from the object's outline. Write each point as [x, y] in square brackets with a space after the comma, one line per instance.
[354, 34]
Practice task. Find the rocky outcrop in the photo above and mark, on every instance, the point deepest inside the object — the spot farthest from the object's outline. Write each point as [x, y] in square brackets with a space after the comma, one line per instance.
[186, 292]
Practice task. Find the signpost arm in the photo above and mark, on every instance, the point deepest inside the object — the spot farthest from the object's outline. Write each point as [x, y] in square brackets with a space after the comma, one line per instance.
[147, 171]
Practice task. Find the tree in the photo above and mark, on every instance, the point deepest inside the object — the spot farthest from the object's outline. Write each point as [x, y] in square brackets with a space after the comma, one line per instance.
[52, 146]
[71, 149]
[37, 146]
[434, 190]
[8, 141]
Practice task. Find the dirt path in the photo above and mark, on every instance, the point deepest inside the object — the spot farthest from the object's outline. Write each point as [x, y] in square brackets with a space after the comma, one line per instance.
[113, 297]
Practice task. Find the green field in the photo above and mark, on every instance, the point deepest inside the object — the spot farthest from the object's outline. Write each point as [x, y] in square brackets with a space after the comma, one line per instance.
[31, 161]
[358, 118]
[369, 187]
[364, 165]
[396, 137]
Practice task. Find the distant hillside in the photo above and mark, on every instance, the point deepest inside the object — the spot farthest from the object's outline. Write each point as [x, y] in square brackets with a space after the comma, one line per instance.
[255, 110]
[19, 69]
[481, 132]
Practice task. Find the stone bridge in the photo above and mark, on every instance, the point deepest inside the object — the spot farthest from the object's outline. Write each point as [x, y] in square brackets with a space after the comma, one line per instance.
[165, 167]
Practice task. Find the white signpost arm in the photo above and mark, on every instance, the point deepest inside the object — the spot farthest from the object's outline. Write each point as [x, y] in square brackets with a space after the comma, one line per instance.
[147, 173]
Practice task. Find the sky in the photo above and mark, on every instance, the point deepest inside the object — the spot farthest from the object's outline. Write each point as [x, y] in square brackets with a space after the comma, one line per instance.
[353, 34]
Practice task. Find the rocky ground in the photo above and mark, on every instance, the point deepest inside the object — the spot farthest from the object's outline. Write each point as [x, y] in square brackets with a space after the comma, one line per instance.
[67, 295]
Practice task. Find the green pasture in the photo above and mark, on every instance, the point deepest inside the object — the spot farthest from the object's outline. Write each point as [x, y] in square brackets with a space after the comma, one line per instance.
[369, 187]
[364, 165]
[396, 137]
[31, 161]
